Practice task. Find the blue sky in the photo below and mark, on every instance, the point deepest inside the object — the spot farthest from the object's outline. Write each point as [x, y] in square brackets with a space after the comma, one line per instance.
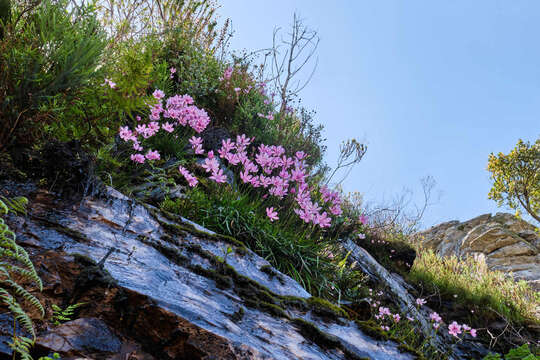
[433, 87]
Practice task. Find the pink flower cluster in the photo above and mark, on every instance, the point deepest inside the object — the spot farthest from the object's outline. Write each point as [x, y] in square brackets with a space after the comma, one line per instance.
[180, 111]
[436, 319]
[268, 116]
[455, 329]
[277, 172]
[196, 144]
[227, 74]
[211, 165]
[384, 313]
[273, 170]
[332, 197]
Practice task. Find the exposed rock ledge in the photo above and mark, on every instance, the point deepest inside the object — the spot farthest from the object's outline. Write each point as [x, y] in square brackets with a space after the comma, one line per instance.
[168, 291]
[507, 243]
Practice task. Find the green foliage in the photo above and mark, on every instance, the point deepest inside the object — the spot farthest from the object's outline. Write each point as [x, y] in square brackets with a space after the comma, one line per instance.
[521, 353]
[516, 178]
[16, 268]
[62, 315]
[46, 58]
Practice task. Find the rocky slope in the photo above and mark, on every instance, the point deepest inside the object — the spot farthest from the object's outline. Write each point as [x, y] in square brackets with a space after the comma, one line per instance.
[159, 287]
[507, 244]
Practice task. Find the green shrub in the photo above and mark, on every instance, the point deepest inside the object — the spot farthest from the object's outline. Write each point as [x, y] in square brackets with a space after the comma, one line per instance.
[46, 58]
[197, 70]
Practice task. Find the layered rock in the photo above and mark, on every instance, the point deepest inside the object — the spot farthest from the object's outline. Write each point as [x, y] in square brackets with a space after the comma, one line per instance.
[159, 287]
[508, 244]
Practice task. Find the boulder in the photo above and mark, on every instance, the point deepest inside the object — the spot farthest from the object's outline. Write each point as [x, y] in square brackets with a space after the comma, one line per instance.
[508, 244]
[80, 336]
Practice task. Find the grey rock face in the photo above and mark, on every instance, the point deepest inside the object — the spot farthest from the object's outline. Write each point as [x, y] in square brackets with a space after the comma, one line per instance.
[170, 287]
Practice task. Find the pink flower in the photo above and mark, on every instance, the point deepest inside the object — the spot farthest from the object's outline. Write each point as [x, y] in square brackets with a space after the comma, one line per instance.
[473, 332]
[196, 144]
[410, 318]
[454, 329]
[242, 141]
[138, 158]
[228, 73]
[210, 164]
[173, 71]
[272, 215]
[396, 317]
[420, 302]
[158, 94]
[137, 146]
[384, 311]
[323, 220]
[363, 219]
[111, 84]
[167, 127]
[218, 176]
[245, 177]
[300, 155]
[336, 210]
[125, 133]
[153, 155]
[435, 317]
[141, 129]
[192, 180]
[436, 325]
[226, 147]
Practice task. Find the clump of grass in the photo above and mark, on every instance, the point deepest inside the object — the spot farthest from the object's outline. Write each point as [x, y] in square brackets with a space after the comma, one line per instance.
[468, 281]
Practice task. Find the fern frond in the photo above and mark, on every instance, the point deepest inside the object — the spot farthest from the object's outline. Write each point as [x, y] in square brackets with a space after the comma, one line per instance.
[16, 205]
[28, 274]
[17, 311]
[23, 293]
[21, 345]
